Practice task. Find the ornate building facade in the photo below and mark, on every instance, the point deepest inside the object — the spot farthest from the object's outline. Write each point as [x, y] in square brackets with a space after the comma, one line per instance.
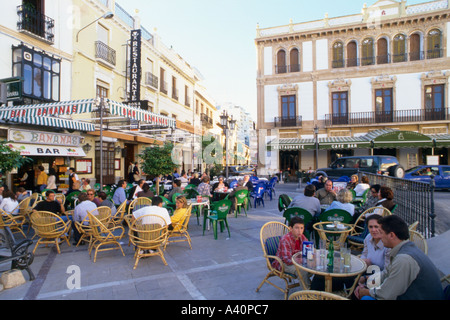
[332, 87]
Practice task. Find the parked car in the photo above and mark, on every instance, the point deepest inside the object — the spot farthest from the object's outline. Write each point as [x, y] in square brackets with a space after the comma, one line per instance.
[239, 171]
[347, 166]
[424, 173]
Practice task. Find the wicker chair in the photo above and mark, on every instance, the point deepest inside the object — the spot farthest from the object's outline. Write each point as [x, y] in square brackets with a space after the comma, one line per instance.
[118, 218]
[339, 237]
[315, 295]
[104, 236]
[60, 196]
[413, 226]
[180, 230]
[270, 236]
[85, 229]
[50, 229]
[139, 203]
[15, 223]
[419, 240]
[148, 238]
[360, 230]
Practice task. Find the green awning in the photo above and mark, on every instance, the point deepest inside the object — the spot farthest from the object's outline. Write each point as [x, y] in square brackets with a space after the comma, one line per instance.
[399, 139]
[441, 140]
[292, 144]
[344, 143]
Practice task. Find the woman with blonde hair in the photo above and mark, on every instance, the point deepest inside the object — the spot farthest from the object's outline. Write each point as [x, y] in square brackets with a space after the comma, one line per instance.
[354, 179]
[179, 214]
[343, 199]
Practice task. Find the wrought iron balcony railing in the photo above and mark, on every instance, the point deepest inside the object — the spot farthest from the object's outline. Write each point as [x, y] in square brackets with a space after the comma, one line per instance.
[35, 23]
[151, 80]
[281, 122]
[104, 52]
[397, 116]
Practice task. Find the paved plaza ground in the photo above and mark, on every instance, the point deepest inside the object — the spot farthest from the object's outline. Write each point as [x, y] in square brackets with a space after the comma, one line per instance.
[224, 269]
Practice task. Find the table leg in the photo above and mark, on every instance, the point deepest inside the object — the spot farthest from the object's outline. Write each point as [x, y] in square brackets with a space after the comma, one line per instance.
[328, 284]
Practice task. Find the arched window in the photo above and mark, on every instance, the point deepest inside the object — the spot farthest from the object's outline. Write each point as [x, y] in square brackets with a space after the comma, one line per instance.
[367, 52]
[352, 54]
[294, 60]
[338, 55]
[399, 48]
[434, 44]
[281, 62]
[415, 51]
[382, 51]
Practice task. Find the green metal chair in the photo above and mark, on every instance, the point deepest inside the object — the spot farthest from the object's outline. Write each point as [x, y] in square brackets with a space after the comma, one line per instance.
[190, 193]
[70, 200]
[302, 213]
[218, 214]
[242, 201]
[168, 205]
[336, 215]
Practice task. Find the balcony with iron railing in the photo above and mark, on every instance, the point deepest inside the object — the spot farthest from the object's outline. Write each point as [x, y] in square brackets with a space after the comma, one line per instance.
[105, 53]
[377, 117]
[386, 59]
[35, 24]
[206, 120]
[151, 80]
[283, 122]
[287, 68]
[175, 94]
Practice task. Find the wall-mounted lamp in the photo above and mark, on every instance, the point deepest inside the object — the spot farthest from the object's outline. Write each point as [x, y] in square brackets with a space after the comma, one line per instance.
[87, 147]
[108, 15]
[117, 149]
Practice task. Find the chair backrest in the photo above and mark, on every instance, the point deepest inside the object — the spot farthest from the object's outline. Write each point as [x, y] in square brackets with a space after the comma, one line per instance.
[24, 206]
[297, 212]
[146, 235]
[233, 184]
[182, 225]
[394, 208]
[222, 208]
[259, 189]
[120, 212]
[190, 193]
[190, 186]
[139, 203]
[241, 196]
[62, 197]
[283, 202]
[419, 240]
[102, 213]
[336, 215]
[174, 197]
[47, 223]
[315, 295]
[365, 194]
[98, 228]
[270, 235]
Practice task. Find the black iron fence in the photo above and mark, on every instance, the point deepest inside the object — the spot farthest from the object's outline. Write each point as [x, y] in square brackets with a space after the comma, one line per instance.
[415, 201]
[35, 22]
[104, 52]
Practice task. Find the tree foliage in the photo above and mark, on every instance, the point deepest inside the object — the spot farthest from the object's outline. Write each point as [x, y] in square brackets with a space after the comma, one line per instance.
[10, 159]
[158, 160]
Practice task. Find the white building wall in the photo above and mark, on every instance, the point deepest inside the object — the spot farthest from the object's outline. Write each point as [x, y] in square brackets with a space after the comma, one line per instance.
[307, 57]
[323, 99]
[448, 37]
[408, 91]
[306, 101]
[322, 54]
[270, 103]
[268, 61]
[361, 95]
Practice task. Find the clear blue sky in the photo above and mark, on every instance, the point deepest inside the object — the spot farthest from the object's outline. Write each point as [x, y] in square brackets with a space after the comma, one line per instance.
[217, 37]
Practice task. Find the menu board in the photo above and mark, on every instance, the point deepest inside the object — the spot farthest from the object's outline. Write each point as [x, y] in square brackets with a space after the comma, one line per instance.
[83, 166]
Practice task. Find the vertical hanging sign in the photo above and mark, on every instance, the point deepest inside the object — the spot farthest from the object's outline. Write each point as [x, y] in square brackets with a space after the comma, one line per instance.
[135, 66]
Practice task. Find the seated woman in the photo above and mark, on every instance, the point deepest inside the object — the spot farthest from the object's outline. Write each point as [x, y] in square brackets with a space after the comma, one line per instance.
[343, 199]
[146, 192]
[375, 253]
[204, 189]
[362, 186]
[386, 198]
[9, 203]
[353, 182]
[372, 199]
[179, 214]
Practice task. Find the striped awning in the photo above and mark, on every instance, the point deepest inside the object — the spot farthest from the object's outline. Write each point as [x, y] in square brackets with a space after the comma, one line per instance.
[49, 109]
[56, 123]
[120, 109]
[343, 143]
[292, 144]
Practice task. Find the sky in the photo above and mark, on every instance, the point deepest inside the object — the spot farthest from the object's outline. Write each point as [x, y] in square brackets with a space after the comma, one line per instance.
[218, 37]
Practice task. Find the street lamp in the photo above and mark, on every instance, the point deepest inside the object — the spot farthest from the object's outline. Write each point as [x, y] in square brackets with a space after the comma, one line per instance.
[108, 15]
[316, 140]
[227, 125]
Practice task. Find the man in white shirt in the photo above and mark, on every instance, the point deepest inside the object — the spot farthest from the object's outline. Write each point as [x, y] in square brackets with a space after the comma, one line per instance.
[155, 209]
[80, 212]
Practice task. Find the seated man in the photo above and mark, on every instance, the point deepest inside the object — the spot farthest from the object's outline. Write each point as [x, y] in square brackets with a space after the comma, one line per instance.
[155, 209]
[120, 195]
[176, 189]
[290, 244]
[326, 195]
[51, 205]
[410, 275]
[105, 202]
[240, 186]
[307, 201]
[81, 211]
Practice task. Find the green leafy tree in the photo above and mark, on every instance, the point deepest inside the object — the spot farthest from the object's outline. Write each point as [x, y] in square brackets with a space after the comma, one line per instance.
[157, 160]
[10, 159]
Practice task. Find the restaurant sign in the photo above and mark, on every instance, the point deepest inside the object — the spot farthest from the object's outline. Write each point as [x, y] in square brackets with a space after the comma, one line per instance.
[45, 138]
[135, 66]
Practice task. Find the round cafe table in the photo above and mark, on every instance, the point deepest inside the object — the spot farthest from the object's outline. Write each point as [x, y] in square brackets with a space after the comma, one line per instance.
[357, 268]
[200, 204]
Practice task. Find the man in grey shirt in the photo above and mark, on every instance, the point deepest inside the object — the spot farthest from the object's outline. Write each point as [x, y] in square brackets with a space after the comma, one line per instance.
[307, 201]
[326, 195]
